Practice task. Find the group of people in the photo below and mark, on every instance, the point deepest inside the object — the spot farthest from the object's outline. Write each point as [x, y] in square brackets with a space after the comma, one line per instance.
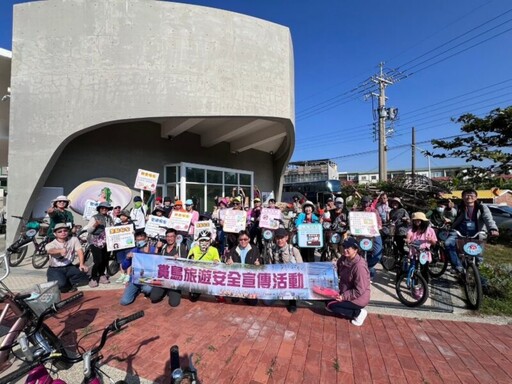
[215, 246]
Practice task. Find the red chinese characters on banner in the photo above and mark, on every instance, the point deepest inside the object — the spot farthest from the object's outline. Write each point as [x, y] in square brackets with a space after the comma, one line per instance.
[233, 279]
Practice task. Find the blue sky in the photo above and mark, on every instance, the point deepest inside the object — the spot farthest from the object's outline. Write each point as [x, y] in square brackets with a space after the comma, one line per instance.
[339, 44]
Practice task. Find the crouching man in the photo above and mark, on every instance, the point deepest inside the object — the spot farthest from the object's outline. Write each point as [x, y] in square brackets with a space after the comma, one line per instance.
[63, 251]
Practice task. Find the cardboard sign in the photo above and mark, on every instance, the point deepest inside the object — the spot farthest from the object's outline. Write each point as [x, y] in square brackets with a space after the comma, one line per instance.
[154, 226]
[269, 218]
[146, 180]
[119, 237]
[310, 235]
[180, 221]
[234, 221]
[90, 209]
[202, 226]
[363, 224]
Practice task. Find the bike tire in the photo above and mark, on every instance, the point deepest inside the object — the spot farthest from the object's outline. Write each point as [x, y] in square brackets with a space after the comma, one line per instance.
[406, 293]
[15, 258]
[473, 286]
[388, 260]
[39, 259]
[439, 263]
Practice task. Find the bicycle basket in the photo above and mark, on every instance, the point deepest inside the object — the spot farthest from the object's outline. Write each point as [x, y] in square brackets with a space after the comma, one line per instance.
[32, 225]
[43, 296]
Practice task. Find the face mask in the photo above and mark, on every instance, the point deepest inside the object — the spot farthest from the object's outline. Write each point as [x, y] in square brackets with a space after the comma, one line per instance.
[141, 243]
[137, 204]
[440, 209]
[339, 205]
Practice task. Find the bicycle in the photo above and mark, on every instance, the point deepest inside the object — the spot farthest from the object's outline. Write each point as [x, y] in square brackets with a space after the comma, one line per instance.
[469, 251]
[439, 263]
[51, 350]
[179, 375]
[391, 255]
[411, 287]
[17, 251]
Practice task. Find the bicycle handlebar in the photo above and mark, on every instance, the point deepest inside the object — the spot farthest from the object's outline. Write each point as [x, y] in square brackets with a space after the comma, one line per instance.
[470, 237]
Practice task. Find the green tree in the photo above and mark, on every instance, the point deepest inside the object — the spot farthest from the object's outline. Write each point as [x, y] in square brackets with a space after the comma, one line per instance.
[483, 139]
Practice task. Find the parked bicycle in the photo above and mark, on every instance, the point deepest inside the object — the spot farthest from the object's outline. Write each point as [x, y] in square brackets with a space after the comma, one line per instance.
[17, 251]
[470, 251]
[179, 374]
[411, 287]
[439, 263]
[391, 255]
[333, 236]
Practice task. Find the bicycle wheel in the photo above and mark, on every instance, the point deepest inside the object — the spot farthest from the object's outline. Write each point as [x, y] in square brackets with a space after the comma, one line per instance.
[473, 286]
[388, 260]
[439, 262]
[411, 292]
[40, 258]
[15, 258]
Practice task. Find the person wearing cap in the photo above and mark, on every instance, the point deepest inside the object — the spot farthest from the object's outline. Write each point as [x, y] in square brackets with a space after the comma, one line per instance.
[255, 231]
[178, 207]
[338, 214]
[354, 285]
[377, 250]
[189, 207]
[97, 240]
[124, 218]
[167, 206]
[283, 253]
[158, 211]
[472, 217]
[203, 251]
[138, 213]
[437, 215]
[423, 234]
[307, 217]
[59, 213]
[400, 218]
[63, 251]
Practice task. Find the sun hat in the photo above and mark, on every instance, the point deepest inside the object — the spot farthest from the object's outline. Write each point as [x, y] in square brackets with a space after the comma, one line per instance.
[158, 199]
[257, 200]
[237, 200]
[339, 200]
[419, 216]
[60, 198]
[178, 202]
[160, 209]
[350, 242]
[397, 199]
[189, 202]
[104, 204]
[310, 203]
[124, 213]
[60, 226]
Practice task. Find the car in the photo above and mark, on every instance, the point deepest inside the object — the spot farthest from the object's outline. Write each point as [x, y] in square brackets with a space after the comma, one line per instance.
[502, 215]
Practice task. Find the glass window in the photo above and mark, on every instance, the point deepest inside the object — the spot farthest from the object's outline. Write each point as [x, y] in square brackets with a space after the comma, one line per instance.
[212, 192]
[231, 178]
[195, 175]
[213, 177]
[170, 174]
[172, 190]
[245, 179]
[196, 193]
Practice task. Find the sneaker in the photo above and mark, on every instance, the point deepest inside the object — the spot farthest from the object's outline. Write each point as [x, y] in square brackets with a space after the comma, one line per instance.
[359, 320]
[291, 308]
[121, 278]
[126, 278]
[93, 283]
[104, 280]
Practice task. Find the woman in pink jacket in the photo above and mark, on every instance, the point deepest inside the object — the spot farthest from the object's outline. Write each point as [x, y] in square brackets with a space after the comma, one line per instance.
[354, 285]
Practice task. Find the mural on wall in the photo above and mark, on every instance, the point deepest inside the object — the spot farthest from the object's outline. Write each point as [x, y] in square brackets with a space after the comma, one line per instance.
[109, 190]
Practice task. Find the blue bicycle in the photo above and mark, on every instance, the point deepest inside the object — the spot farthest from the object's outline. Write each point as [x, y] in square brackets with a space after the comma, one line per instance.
[411, 286]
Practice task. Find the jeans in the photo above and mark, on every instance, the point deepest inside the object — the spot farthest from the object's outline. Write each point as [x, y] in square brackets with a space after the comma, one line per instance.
[376, 252]
[450, 245]
[67, 277]
[158, 293]
[344, 308]
[132, 291]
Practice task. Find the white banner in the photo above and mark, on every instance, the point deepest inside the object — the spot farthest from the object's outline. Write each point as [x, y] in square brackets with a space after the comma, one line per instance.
[269, 218]
[146, 180]
[120, 237]
[90, 209]
[363, 224]
[180, 221]
[310, 235]
[154, 226]
[234, 221]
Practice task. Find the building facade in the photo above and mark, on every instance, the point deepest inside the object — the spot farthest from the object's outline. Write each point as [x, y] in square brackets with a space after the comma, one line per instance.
[102, 88]
[313, 170]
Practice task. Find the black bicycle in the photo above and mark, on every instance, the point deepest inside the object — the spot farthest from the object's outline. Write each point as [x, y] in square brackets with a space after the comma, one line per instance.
[17, 251]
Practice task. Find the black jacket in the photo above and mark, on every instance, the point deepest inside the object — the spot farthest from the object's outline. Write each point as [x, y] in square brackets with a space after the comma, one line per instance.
[250, 258]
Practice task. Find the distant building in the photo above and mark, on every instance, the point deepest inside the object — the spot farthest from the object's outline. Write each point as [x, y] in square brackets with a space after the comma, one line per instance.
[313, 170]
[437, 174]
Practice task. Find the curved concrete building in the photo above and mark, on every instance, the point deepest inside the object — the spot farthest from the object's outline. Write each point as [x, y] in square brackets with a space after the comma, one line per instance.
[101, 88]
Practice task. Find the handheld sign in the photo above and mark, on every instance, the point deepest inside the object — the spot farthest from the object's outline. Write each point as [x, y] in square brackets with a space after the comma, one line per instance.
[199, 226]
[363, 224]
[310, 235]
[90, 209]
[156, 225]
[119, 237]
[234, 221]
[146, 180]
[269, 218]
[180, 221]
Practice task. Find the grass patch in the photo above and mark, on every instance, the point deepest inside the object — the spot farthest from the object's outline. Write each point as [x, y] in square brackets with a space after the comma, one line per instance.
[496, 273]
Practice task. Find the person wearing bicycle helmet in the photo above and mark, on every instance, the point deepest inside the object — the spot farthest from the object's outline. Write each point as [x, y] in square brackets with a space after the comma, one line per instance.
[307, 217]
[59, 213]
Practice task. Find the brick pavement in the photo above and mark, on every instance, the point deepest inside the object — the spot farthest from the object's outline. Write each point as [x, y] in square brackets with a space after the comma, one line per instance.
[235, 343]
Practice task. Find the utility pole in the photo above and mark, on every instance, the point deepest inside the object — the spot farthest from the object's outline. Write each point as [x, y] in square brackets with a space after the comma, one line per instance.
[413, 156]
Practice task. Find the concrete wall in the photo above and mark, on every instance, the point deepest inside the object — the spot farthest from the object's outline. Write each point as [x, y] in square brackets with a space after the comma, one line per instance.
[118, 150]
[5, 80]
[79, 64]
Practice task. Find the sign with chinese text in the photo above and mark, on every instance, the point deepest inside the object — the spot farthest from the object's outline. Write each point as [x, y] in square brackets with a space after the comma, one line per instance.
[120, 237]
[234, 221]
[269, 218]
[90, 209]
[180, 221]
[304, 281]
[310, 235]
[146, 180]
[156, 226]
[206, 225]
[363, 224]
